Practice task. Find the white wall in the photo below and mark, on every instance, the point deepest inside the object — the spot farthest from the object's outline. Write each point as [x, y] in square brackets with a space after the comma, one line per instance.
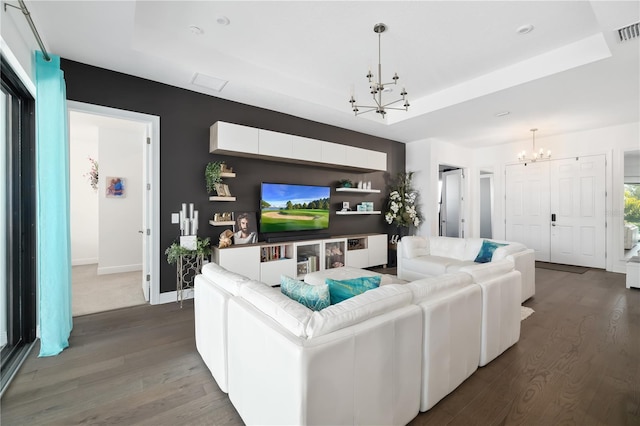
[120, 151]
[424, 157]
[18, 41]
[83, 143]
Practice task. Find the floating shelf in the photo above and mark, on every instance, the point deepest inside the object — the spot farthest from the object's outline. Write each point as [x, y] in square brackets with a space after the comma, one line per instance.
[361, 191]
[227, 174]
[356, 212]
[222, 223]
[217, 198]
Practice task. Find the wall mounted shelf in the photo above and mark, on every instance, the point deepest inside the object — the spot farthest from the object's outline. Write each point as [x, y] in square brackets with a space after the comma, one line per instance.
[222, 223]
[217, 198]
[358, 190]
[339, 212]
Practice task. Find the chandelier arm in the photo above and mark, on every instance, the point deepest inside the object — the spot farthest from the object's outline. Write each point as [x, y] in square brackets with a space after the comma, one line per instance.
[394, 102]
[369, 110]
[397, 109]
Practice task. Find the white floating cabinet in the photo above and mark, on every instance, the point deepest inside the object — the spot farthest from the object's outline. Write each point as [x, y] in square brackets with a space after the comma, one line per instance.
[243, 141]
[228, 138]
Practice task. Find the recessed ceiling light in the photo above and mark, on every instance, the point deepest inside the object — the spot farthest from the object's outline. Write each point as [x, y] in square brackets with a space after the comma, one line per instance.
[525, 29]
[502, 113]
[222, 20]
[195, 30]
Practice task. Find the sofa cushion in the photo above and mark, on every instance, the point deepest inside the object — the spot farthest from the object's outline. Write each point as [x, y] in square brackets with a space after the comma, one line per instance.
[230, 281]
[428, 265]
[486, 251]
[314, 297]
[414, 246]
[340, 290]
[456, 266]
[482, 272]
[429, 287]
[448, 247]
[506, 250]
[358, 309]
[287, 312]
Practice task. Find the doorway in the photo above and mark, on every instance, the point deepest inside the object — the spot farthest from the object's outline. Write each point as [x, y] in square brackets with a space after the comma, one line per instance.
[113, 217]
[486, 204]
[451, 202]
[557, 208]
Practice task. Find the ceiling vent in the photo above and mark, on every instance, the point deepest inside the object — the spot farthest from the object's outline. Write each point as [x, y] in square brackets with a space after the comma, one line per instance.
[629, 32]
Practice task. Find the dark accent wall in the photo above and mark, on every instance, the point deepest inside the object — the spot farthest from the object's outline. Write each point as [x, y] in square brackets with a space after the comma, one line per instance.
[185, 118]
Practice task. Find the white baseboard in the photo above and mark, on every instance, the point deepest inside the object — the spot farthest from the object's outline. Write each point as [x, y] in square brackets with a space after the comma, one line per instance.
[118, 269]
[87, 261]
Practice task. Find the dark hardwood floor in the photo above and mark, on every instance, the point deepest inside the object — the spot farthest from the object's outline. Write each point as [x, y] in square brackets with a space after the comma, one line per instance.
[577, 362]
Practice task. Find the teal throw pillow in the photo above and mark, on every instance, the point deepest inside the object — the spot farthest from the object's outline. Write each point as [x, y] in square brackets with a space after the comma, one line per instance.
[486, 251]
[344, 289]
[315, 297]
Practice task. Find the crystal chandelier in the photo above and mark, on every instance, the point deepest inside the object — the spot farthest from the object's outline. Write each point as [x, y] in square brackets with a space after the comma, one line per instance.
[536, 156]
[377, 87]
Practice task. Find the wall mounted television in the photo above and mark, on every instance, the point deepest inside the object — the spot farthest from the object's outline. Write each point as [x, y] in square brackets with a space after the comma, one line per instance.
[293, 207]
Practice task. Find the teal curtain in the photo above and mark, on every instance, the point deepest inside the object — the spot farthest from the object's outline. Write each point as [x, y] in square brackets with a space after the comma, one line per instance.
[52, 171]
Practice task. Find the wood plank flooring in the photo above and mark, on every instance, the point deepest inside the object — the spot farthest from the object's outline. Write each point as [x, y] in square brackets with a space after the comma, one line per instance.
[577, 362]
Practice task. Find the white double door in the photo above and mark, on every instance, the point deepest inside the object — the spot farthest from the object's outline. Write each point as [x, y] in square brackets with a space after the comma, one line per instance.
[557, 208]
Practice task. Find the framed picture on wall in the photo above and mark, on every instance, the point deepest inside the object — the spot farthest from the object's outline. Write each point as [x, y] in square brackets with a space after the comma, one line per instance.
[246, 228]
[115, 187]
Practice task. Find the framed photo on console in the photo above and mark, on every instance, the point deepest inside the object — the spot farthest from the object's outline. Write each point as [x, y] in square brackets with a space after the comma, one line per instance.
[245, 230]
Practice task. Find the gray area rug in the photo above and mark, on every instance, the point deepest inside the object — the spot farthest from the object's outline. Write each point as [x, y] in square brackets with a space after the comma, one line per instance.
[560, 267]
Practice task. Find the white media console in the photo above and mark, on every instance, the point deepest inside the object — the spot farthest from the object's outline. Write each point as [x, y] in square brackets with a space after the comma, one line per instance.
[267, 261]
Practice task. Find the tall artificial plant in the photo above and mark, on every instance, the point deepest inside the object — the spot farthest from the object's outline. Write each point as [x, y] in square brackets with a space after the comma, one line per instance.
[403, 209]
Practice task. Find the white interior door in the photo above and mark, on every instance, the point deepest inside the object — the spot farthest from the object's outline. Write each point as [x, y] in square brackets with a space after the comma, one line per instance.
[451, 210]
[527, 207]
[578, 211]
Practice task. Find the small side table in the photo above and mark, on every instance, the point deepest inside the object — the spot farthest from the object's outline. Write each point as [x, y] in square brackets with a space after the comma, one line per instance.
[188, 267]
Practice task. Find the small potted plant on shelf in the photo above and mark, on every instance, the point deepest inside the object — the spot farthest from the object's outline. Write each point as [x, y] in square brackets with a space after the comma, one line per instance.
[175, 250]
[345, 183]
[212, 175]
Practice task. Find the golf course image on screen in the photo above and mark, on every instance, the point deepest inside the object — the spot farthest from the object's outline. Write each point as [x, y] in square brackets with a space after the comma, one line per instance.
[292, 207]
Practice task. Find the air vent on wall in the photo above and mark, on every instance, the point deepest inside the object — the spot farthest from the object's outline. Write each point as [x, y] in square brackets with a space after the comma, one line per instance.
[629, 32]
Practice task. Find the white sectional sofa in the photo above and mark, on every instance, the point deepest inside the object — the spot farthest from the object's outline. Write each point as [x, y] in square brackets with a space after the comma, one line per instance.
[420, 257]
[630, 236]
[376, 358]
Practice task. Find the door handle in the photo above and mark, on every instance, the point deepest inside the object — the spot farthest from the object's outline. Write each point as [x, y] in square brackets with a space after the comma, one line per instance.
[553, 217]
[140, 232]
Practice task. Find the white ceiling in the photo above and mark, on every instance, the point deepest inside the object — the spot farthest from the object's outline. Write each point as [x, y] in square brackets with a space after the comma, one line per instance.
[460, 61]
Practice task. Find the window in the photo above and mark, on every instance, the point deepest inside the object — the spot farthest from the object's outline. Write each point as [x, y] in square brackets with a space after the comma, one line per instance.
[17, 224]
[632, 203]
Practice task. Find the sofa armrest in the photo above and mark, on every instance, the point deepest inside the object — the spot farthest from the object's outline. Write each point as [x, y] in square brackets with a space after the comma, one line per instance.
[210, 316]
[525, 263]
